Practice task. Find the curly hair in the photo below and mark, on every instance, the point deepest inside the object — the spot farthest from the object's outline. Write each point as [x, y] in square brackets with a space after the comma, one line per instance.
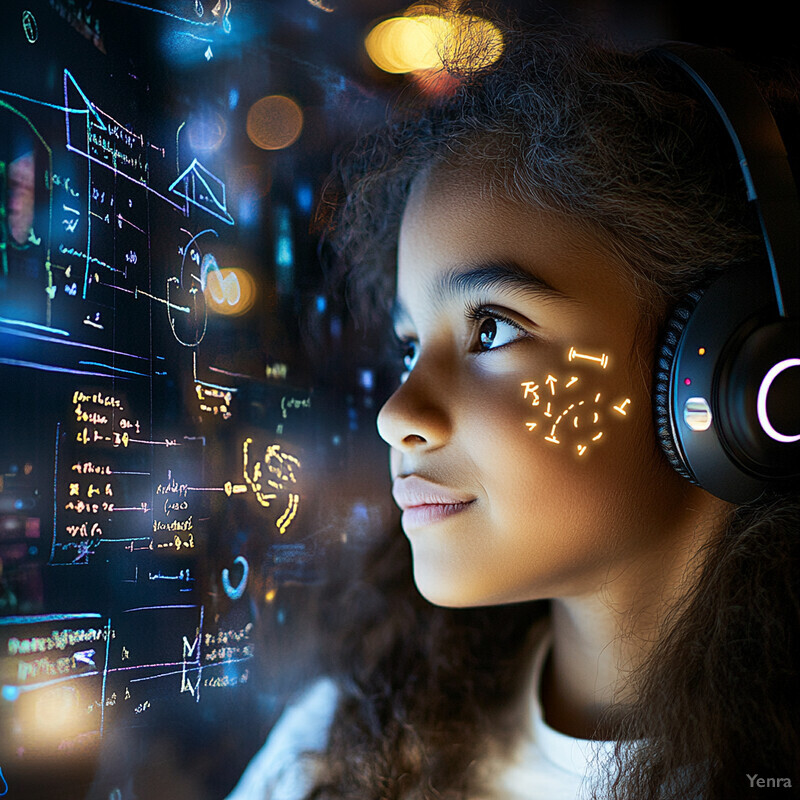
[621, 143]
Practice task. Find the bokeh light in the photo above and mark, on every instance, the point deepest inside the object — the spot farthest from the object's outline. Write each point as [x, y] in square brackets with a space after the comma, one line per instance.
[475, 44]
[425, 42]
[403, 44]
[206, 130]
[230, 291]
[274, 122]
[54, 714]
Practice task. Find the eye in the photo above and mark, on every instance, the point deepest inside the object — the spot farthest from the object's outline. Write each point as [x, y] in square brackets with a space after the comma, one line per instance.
[494, 332]
[409, 349]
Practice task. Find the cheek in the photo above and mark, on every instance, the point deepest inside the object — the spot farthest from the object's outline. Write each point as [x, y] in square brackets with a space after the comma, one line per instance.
[565, 411]
[580, 444]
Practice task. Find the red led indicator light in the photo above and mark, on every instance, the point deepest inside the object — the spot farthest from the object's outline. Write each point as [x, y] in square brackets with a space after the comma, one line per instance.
[688, 381]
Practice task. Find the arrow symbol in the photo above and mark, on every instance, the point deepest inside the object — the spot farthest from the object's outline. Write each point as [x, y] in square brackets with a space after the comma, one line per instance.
[85, 657]
[551, 381]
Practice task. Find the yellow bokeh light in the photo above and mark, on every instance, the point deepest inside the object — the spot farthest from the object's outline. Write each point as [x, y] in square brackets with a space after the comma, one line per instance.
[423, 10]
[56, 715]
[424, 42]
[475, 45]
[230, 291]
[274, 122]
[404, 44]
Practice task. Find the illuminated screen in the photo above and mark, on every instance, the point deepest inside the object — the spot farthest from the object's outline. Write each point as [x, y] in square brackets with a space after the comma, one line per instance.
[176, 388]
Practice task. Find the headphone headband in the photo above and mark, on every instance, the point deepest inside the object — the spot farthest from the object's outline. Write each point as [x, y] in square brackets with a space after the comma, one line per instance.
[762, 158]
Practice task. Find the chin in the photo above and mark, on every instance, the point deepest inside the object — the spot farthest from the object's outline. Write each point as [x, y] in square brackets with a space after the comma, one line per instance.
[442, 590]
[448, 589]
[439, 589]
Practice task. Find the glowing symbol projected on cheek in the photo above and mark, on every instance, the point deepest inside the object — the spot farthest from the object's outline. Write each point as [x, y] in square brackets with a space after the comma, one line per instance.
[579, 417]
[621, 407]
[276, 476]
[530, 388]
[602, 359]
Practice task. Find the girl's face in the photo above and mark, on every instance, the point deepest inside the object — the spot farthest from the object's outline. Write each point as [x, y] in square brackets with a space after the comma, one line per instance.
[522, 445]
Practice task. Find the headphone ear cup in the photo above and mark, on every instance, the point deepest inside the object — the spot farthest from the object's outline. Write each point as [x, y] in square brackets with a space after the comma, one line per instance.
[671, 334]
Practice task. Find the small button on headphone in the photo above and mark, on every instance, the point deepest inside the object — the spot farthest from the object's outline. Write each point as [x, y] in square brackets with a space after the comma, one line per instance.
[726, 393]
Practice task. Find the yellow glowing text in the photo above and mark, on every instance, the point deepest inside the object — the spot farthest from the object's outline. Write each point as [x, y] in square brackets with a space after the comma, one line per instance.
[274, 473]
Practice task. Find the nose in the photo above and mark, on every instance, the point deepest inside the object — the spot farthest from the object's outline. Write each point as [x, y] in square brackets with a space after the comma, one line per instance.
[415, 417]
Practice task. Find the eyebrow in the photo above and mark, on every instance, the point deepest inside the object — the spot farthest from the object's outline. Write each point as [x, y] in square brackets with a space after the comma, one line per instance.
[507, 276]
[468, 279]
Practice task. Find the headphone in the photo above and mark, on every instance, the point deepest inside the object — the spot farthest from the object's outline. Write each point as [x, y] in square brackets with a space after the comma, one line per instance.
[726, 394]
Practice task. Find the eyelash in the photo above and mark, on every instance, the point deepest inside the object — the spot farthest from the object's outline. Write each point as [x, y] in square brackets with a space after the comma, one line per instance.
[476, 313]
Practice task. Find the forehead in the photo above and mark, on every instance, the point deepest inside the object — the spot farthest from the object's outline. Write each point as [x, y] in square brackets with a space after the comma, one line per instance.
[453, 220]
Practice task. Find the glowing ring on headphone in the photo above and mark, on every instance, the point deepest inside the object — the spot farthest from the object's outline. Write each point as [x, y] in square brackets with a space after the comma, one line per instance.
[761, 402]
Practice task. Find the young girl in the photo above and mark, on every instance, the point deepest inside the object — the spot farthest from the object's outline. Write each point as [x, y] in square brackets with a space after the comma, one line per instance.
[590, 621]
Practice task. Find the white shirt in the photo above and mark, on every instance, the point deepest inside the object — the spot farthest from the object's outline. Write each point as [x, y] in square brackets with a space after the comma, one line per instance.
[544, 764]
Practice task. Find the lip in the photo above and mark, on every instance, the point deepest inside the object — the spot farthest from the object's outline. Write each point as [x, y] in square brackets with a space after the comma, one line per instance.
[424, 502]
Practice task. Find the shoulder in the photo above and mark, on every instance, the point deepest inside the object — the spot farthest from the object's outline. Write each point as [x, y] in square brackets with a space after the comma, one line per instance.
[279, 770]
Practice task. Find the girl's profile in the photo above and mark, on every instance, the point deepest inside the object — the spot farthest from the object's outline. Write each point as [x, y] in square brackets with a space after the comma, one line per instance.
[563, 614]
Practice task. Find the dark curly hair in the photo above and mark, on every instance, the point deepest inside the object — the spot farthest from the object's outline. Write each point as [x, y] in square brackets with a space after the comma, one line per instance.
[620, 142]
